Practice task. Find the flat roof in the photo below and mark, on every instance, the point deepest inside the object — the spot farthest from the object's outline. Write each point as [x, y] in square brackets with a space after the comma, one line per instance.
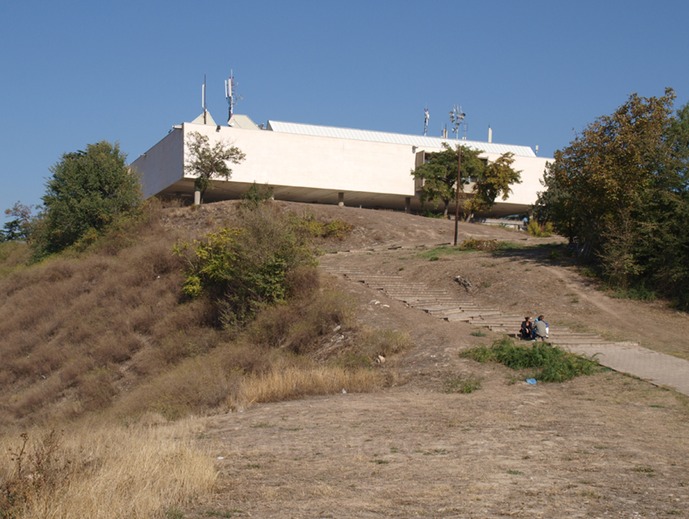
[421, 141]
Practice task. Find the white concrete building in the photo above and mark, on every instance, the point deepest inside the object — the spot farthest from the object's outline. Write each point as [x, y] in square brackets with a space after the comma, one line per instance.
[318, 164]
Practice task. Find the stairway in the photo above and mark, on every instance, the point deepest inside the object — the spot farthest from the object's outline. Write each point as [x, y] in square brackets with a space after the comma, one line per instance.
[623, 356]
[451, 307]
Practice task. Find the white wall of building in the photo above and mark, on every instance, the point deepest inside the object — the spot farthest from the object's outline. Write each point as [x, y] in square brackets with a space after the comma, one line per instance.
[315, 162]
[532, 169]
[162, 165]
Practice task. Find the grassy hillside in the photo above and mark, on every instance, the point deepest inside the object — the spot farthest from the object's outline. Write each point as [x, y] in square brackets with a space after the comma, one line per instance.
[109, 330]
[98, 345]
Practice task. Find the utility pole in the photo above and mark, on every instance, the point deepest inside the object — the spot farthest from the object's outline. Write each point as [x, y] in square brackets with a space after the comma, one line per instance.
[459, 183]
[456, 118]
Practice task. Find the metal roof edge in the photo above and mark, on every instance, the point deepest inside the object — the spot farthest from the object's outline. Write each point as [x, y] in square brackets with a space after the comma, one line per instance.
[420, 141]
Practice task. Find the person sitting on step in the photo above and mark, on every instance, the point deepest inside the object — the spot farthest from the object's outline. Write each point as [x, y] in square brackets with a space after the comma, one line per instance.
[526, 330]
[540, 329]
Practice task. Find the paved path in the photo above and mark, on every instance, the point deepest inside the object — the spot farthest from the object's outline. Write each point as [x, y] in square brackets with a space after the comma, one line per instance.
[625, 357]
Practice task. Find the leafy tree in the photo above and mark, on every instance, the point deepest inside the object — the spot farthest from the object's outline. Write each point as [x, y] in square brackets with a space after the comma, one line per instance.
[439, 175]
[619, 191]
[492, 181]
[606, 170]
[89, 191]
[206, 161]
[19, 227]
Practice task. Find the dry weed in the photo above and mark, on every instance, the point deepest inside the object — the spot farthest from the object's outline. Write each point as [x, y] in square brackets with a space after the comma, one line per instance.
[103, 472]
[295, 382]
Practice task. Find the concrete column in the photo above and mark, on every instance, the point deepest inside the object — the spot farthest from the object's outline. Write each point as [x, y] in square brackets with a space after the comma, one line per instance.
[197, 197]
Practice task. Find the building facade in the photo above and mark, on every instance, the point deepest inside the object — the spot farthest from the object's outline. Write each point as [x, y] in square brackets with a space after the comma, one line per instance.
[319, 164]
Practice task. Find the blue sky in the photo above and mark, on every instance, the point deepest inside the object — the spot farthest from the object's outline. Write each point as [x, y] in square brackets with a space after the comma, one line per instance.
[536, 71]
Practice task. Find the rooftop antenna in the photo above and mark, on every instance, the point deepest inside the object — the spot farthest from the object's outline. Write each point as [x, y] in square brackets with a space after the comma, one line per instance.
[426, 117]
[203, 99]
[229, 95]
[456, 118]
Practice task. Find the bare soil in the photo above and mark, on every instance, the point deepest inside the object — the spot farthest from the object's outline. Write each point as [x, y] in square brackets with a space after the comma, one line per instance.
[606, 445]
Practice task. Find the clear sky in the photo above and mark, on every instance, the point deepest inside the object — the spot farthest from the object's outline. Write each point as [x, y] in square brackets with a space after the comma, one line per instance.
[535, 71]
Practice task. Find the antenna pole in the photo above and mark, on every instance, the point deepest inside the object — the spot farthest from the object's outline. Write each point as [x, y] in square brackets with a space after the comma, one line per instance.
[203, 99]
[229, 95]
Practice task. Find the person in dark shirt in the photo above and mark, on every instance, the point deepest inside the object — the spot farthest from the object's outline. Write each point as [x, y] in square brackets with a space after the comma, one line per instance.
[526, 330]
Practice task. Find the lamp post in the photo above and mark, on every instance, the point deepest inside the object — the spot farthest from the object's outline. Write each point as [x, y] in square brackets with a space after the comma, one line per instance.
[456, 118]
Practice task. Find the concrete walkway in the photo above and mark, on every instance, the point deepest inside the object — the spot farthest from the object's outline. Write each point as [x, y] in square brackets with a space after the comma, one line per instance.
[625, 357]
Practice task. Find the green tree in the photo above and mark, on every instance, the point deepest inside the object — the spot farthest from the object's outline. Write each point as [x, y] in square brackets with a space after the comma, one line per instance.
[89, 190]
[489, 180]
[19, 227]
[619, 192]
[492, 181]
[206, 161]
[607, 170]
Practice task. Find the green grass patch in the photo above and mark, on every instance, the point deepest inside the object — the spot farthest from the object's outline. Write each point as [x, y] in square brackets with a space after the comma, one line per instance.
[546, 363]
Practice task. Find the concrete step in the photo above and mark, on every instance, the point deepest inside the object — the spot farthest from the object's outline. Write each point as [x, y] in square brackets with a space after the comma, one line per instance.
[439, 309]
[468, 315]
[410, 291]
[497, 320]
[434, 304]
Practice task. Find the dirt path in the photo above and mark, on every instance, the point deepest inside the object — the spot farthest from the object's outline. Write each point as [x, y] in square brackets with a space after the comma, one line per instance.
[601, 446]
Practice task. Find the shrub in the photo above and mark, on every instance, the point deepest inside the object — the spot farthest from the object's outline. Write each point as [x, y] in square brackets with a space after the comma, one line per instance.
[540, 230]
[335, 229]
[300, 326]
[243, 269]
[482, 245]
[256, 195]
[551, 364]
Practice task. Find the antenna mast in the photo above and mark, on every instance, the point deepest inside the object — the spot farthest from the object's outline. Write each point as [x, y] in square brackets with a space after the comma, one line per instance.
[203, 99]
[229, 95]
[456, 118]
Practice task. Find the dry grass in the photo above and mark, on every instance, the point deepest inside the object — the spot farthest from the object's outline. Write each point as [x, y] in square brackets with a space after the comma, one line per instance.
[296, 382]
[105, 334]
[107, 330]
[13, 257]
[103, 472]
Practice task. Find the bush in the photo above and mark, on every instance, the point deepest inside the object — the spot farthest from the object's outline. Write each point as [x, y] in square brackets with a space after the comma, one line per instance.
[482, 245]
[256, 195]
[336, 229]
[246, 268]
[551, 364]
[540, 231]
[300, 326]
